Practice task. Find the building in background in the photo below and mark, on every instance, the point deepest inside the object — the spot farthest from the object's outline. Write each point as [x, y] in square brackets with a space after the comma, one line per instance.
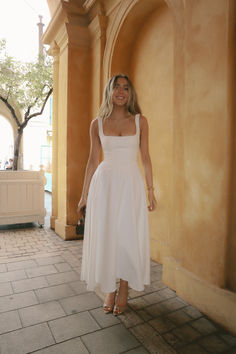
[37, 137]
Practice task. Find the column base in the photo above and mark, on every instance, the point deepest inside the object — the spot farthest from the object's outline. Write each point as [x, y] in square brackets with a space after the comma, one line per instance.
[67, 232]
[219, 304]
[52, 222]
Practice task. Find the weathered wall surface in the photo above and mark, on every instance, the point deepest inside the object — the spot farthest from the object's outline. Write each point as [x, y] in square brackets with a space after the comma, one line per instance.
[152, 74]
[203, 158]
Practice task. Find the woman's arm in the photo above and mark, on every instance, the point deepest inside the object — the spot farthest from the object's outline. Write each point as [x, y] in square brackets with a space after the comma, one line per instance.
[92, 164]
[146, 161]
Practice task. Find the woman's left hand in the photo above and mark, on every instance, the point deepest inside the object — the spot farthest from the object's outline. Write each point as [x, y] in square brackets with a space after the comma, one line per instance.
[152, 201]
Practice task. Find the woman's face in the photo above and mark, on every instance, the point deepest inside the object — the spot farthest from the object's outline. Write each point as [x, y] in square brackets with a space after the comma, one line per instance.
[120, 95]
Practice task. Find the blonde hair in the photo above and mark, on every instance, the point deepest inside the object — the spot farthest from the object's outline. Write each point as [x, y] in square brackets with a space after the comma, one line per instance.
[107, 104]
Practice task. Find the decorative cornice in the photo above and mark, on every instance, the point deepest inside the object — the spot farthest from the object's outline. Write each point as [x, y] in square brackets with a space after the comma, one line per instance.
[54, 51]
[97, 27]
[66, 12]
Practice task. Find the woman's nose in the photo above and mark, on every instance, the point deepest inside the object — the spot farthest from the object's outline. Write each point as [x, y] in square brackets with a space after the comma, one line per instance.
[120, 89]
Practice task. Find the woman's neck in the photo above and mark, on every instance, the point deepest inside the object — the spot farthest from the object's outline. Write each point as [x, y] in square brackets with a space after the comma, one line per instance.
[119, 113]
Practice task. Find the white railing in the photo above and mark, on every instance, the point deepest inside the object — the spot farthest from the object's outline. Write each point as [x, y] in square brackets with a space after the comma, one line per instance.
[22, 197]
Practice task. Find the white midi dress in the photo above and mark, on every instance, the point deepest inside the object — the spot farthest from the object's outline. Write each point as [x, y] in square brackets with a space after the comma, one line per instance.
[116, 234]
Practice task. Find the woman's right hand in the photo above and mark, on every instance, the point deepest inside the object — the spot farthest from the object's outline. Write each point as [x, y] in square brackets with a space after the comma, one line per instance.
[82, 203]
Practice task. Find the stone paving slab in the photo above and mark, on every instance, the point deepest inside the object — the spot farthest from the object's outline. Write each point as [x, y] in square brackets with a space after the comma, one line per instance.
[80, 303]
[21, 265]
[151, 339]
[138, 350]
[16, 301]
[45, 308]
[21, 286]
[73, 326]
[5, 289]
[41, 313]
[54, 292]
[9, 321]
[62, 278]
[112, 340]
[10, 276]
[26, 340]
[73, 346]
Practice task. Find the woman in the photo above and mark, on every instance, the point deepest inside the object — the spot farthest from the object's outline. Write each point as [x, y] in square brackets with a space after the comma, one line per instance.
[116, 237]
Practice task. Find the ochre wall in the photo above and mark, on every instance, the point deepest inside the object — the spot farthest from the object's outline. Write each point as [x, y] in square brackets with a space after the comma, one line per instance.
[62, 135]
[231, 241]
[204, 162]
[78, 110]
[151, 70]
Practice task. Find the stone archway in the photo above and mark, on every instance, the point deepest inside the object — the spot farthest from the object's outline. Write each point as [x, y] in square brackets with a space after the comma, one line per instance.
[6, 142]
[146, 55]
[6, 114]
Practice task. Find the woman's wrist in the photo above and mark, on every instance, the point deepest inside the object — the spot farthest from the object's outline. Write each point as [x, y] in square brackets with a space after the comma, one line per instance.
[83, 198]
[150, 188]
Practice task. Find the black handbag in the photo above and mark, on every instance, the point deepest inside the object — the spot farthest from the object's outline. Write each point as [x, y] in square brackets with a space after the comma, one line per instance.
[80, 225]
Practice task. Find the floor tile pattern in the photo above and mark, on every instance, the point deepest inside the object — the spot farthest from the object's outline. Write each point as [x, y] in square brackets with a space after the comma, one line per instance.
[46, 309]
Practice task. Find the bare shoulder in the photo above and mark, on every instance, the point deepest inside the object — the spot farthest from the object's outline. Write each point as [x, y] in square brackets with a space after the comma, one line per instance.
[94, 126]
[143, 122]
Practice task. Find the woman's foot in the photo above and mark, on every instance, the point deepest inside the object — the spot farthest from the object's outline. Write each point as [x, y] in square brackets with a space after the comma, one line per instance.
[122, 298]
[109, 302]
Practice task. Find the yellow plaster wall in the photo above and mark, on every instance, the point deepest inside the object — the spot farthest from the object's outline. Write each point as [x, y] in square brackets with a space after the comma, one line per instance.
[62, 135]
[78, 111]
[202, 206]
[231, 241]
[96, 77]
[152, 73]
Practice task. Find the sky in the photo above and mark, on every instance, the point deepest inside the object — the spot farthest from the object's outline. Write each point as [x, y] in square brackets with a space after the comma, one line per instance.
[18, 25]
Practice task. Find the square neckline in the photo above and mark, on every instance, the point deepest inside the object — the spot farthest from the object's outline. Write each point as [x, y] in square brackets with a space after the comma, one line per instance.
[121, 136]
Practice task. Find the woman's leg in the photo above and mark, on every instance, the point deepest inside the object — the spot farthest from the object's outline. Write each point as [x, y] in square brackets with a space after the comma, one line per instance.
[122, 298]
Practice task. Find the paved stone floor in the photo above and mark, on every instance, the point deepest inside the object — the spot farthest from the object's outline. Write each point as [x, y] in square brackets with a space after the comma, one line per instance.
[46, 309]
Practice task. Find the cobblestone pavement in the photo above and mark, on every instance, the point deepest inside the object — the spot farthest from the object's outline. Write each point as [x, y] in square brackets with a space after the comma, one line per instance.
[45, 308]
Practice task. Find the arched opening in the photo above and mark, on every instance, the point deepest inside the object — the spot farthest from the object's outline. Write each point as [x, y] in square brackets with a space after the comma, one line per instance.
[146, 55]
[6, 142]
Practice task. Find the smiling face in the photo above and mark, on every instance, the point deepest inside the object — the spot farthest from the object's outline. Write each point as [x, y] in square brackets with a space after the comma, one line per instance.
[120, 95]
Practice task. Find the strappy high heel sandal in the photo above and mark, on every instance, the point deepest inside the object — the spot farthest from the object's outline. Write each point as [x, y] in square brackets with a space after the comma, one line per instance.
[118, 310]
[109, 308]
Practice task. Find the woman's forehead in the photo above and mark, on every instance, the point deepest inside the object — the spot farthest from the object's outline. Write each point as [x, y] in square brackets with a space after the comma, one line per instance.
[122, 81]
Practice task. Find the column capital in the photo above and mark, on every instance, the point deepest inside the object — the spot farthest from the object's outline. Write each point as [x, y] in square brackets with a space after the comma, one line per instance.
[54, 51]
[68, 26]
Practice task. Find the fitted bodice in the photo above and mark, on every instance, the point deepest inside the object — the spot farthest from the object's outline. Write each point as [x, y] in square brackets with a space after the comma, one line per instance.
[120, 149]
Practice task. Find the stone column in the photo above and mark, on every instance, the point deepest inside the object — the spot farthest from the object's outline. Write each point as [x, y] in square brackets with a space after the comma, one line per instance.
[55, 51]
[69, 36]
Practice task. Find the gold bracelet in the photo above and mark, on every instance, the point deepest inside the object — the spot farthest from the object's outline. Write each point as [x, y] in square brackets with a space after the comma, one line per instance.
[151, 187]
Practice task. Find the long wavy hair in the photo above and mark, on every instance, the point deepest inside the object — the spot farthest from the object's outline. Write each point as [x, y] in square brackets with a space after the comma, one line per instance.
[107, 104]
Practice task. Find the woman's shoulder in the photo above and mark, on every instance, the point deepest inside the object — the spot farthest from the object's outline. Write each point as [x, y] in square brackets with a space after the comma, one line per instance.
[143, 121]
[94, 125]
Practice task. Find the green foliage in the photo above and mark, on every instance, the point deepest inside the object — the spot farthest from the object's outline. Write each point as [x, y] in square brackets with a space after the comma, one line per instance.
[24, 85]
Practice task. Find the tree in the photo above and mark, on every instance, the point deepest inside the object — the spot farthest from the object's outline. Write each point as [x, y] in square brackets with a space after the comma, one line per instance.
[24, 89]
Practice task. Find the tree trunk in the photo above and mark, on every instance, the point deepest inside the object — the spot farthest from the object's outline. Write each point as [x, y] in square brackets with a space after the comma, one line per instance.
[17, 148]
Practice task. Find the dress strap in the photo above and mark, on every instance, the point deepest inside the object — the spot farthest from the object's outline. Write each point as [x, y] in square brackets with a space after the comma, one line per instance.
[137, 122]
[100, 126]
